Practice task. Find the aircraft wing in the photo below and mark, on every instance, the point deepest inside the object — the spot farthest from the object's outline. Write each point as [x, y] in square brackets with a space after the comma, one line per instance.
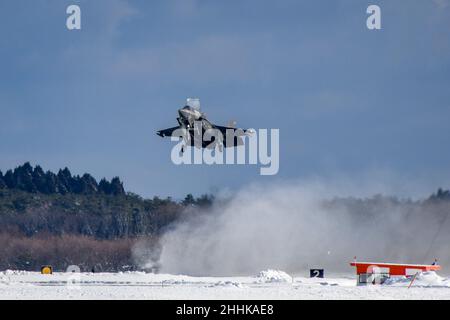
[167, 132]
[240, 132]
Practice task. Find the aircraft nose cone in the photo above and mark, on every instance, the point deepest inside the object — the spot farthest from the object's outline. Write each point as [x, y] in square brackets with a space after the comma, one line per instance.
[184, 113]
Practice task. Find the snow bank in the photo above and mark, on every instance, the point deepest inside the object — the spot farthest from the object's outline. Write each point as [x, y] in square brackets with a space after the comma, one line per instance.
[272, 285]
[228, 284]
[270, 276]
[3, 280]
[423, 279]
[174, 281]
[15, 272]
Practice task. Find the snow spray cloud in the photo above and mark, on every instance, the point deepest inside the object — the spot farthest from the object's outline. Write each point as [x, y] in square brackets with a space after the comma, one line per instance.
[292, 228]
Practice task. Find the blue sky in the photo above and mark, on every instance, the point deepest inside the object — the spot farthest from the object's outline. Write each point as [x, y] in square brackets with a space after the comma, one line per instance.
[347, 100]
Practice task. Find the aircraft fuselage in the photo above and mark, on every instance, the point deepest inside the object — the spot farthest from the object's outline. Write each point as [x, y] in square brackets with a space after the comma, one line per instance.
[188, 115]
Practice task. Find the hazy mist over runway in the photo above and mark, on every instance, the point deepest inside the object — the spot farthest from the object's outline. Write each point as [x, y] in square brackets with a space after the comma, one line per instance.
[294, 227]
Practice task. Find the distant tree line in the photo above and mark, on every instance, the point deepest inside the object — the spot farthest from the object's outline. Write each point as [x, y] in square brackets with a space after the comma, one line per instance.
[62, 219]
[34, 202]
[31, 253]
[440, 195]
[34, 180]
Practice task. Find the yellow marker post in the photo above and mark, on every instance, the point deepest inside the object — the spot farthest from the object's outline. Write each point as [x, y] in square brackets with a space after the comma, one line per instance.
[46, 270]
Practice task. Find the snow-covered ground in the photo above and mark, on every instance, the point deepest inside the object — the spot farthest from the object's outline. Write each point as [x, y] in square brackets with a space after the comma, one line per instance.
[268, 284]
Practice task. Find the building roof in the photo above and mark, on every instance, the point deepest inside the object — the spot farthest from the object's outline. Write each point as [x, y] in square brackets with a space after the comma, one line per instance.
[400, 269]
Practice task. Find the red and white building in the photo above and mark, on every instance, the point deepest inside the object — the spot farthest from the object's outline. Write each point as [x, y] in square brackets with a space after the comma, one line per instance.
[378, 272]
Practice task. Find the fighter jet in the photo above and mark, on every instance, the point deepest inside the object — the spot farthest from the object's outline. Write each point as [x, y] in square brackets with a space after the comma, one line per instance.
[191, 119]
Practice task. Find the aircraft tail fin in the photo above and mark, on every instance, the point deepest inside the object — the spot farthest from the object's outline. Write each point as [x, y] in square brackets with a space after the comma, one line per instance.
[232, 124]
